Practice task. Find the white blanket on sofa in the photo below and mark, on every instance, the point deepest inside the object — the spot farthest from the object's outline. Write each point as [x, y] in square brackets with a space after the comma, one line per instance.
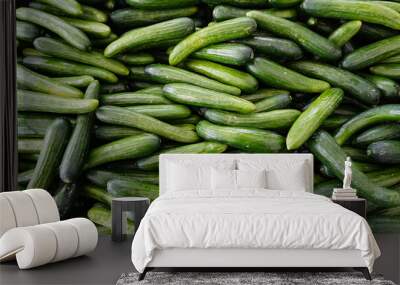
[256, 218]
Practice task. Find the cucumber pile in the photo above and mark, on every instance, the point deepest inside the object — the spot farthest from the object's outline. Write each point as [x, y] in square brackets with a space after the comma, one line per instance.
[105, 86]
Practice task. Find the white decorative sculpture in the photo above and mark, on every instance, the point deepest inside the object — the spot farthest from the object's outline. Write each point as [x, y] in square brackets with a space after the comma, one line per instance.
[347, 174]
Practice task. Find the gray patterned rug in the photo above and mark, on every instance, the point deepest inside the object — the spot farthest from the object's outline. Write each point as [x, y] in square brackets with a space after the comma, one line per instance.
[253, 278]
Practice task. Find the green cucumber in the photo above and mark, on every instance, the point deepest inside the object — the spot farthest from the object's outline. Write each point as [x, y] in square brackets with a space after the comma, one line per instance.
[326, 150]
[94, 29]
[246, 139]
[388, 87]
[391, 70]
[386, 177]
[309, 40]
[270, 73]
[192, 119]
[137, 73]
[202, 97]
[142, 58]
[384, 224]
[150, 36]
[75, 81]
[312, 118]
[29, 156]
[67, 68]
[139, 97]
[345, 32]
[225, 53]
[128, 17]
[362, 166]
[274, 47]
[103, 42]
[335, 121]
[365, 11]
[37, 82]
[151, 162]
[97, 194]
[32, 52]
[115, 87]
[356, 153]
[378, 133]
[274, 102]
[392, 59]
[284, 3]
[27, 31]
[54, 144]
[372, 53]
[132, 188]
[383, 113]
[124, 117]
[220, 32]
[70, 7]
[129, 147]
[360, 88]
[163, 112]
[102, 216]
[109, 133]
[371, 32]
[242, 80]
[78, 145]
[69, 33]
[101, 177]
[61, 50]
[278, 119]
[387, 151]
[264, 93]
[65, 196]
[222, 12]
[163, 73]
[238, 3]
[322, 26]
[30, 145]
[160, 4]
[33, 125]
[25, 176]
[40, 102]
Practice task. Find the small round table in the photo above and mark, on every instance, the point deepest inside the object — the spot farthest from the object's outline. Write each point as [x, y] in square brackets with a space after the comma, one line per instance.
[119, 206]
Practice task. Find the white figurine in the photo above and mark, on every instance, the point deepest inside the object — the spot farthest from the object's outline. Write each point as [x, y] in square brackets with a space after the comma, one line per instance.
[347, 174]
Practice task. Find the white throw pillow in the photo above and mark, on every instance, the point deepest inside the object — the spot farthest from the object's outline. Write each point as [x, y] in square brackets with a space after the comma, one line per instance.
[183, 178]
[223, 179]
[251, 178]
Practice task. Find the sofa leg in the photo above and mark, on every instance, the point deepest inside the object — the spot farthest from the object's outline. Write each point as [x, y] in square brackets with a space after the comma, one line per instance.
[365, 272]
[142, 275]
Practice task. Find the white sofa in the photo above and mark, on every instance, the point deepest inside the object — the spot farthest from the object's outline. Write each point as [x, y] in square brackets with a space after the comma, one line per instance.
[31, 231]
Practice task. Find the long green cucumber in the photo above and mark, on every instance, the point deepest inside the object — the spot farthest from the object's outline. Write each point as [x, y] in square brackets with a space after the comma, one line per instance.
[67, 68]
[309, 40]
[101, 177]
[242, 80]
[384, 224]
[70, 7]
[37, 82]
[385, 177]
[25, 176]
[137, 73]
[192, 119]
[284, 3]
[278, 119]
[160, 4]
[373, 53]
[270, 73]
[97, 194]
[356, 153]
[197, 96]
[30, 145]
[26, 31]
[150, 36]
[103, 42]
[151, 162]
[386, 151]
[273, 102]
[102, 216]
[220, 32]
[163, 112]
[326, 150]
[320, 25]
[124, 117]
[372, 32]
[33, 125]
[391, 70]
[264, 93]
[392, 59]
[109, 133]
[163, 73]
[129, 147]
[238, 3]
[378, 133]
[134, 98]
[345, 32]
[59, 49]
[383, 113]
[223, 12]
[92, 28]
[274, 47]
[55, 141]
[132, 188]
[69, 33]
[142, 58]
[122, 86]
[32, 52]
[365, 11]
[78, 145]
[360, 88]
[246, 139]
[389, 88]
[65, 196]
[75, 81]
[128, 17]
[312, 118]
[335, 121]
[40, 102]
[225, 53]
[362, 166]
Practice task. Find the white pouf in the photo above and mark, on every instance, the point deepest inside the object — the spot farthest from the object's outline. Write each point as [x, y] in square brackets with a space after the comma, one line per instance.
[7, 218]
[45, 205]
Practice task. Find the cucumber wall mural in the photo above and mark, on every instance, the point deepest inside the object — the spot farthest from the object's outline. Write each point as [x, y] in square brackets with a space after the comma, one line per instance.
[105, 86]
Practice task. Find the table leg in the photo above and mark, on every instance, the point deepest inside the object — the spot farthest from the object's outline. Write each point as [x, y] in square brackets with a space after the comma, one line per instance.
[117, 223]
